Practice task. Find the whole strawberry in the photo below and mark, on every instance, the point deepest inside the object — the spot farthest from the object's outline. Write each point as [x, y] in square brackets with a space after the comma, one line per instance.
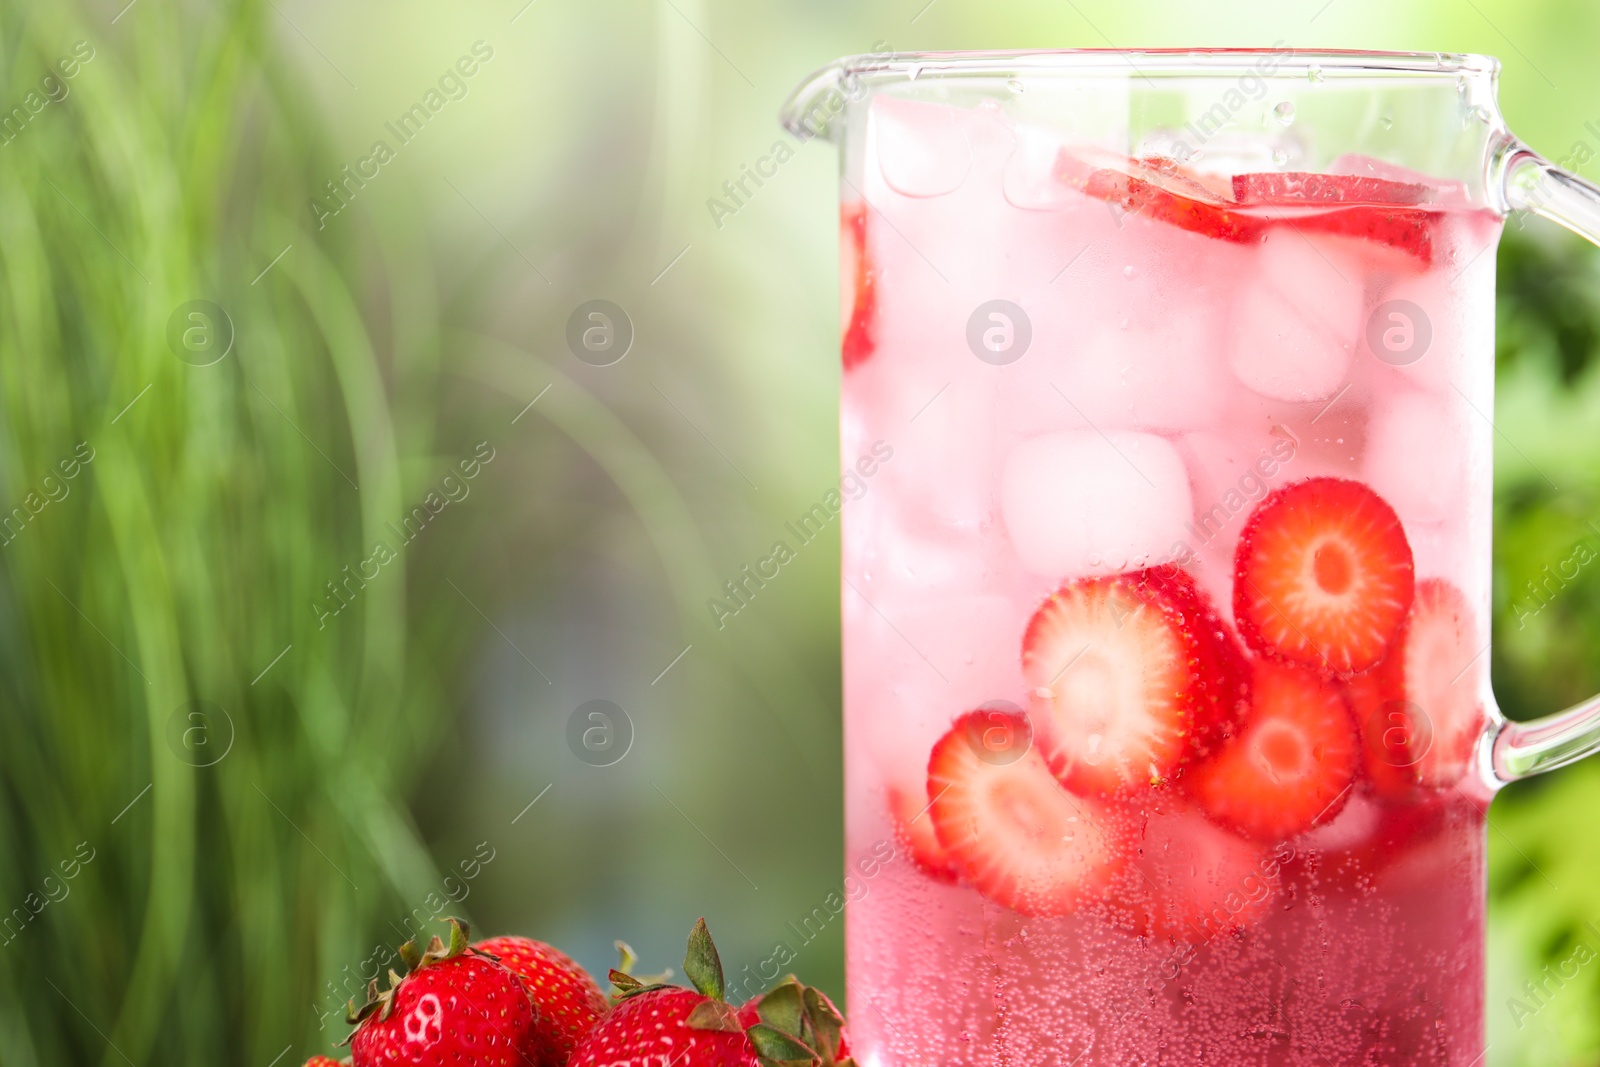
[566, 1001]
[454, 1006]
[805, 1013]
[662, 1024]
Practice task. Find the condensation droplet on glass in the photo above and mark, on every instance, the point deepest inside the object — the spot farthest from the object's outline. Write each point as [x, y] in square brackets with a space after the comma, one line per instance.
[1481, 114]
[1386, 122]
[1284, 112]
[1016, 86]
[1314, 72]
[1279, 157]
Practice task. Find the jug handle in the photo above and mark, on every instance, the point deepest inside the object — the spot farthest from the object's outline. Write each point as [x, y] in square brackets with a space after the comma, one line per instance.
[1520, 749]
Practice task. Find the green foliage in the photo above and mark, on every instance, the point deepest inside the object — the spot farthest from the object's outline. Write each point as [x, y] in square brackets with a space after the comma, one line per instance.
[211, 911]
[1543, 852]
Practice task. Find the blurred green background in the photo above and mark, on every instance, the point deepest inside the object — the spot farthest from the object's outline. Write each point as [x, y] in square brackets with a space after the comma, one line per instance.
[245, 750]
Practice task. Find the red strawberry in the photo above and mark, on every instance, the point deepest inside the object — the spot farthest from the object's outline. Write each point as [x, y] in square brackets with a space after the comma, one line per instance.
[1196, 881]
[660, 1024]
[1323, 575]
[1129, 677]
[913, 829]
[858, 281]
[1013, 832]
[1296, 188]
[653, 1027]
[1439, 646]
[1394, 734]
[326, 1061]
[566, 1000]
[1372, 209]
[1221, 665]
[805, 1012]
[454, 1006]
[1158, 188]
[1293, 762]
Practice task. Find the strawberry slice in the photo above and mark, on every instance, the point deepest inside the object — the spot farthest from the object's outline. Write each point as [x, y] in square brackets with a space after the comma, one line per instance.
[1296, 188]
[1395, 735]
[1323, 575]
[1293, 762]
[1114, 665]
[913, 830]
[1222, 667]
[1441, 643]
[859, 293]
[1197, 881]
[1015, 835]
[1158, 188]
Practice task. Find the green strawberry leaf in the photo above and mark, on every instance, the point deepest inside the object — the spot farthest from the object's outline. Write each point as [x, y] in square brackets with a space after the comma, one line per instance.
[783, 1008]
[701, 964]
[773, 1044]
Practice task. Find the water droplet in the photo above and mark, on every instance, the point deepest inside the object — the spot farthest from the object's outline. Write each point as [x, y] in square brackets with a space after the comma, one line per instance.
[1386, 122]
[1016, 86]
[1481, 114]
[1314, 73]
[1130, 271]
[1279, 157]
[1284, 111]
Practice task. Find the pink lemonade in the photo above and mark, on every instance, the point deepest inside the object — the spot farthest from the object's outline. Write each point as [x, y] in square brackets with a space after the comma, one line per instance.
[1165, 624]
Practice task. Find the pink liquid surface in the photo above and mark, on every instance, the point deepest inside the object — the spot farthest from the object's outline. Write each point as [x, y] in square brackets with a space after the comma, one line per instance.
[1164, 364]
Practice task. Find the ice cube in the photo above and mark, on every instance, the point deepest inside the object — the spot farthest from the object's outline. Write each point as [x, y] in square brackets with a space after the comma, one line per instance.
[915, 662]
[1080, 502]
[1298, 319]
[1229, 475]
[1414, 459]
[921, 147]
[1160, 377]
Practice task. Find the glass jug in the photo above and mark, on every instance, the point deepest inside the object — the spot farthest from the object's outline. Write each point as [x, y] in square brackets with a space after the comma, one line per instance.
[1169, 733]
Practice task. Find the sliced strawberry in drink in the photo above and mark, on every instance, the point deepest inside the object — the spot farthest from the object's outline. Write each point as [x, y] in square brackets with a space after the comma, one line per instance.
[1158, 188]
[913, 831]
[1195, 881]
[1291, 766]
[858, 284]
[1014, 833]
[1295, 188]
[1323, 576]
[1441, 643]
[1222, 667]
[1420, 710]
[1394, 734]
[1370, 209]
[1114, 668]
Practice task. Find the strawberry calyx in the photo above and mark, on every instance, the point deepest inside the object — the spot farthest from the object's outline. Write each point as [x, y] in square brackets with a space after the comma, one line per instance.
[415, 958]
[796, 1026]
[804, 1017]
